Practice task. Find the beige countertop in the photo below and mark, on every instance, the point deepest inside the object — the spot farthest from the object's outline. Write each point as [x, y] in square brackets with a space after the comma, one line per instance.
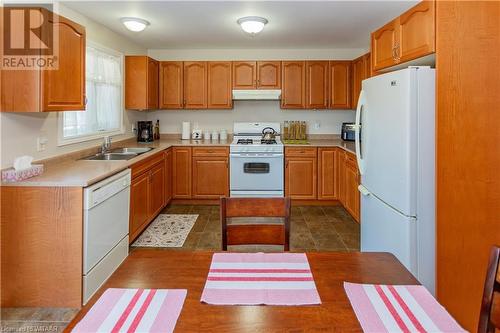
[71, 171]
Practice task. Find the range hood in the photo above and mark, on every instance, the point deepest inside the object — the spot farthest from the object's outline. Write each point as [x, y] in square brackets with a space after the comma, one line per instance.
[257, 95]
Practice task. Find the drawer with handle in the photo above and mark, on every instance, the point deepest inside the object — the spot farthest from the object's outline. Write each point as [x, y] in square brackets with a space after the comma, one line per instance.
[300, 151]
[211, 151]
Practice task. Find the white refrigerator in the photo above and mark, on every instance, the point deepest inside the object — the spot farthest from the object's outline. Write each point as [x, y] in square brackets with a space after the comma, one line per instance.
[395, 150]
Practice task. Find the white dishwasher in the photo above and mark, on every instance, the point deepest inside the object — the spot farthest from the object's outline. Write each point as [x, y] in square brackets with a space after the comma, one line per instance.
[105, 230]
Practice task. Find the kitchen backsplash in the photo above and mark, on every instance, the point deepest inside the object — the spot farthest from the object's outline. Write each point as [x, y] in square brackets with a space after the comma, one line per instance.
[329, 121]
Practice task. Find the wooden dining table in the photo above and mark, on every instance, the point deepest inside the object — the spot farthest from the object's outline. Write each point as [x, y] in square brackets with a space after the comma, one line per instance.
[170, 269]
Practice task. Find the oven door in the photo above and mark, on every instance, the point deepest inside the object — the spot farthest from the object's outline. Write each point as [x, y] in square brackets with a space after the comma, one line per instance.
[256, 174]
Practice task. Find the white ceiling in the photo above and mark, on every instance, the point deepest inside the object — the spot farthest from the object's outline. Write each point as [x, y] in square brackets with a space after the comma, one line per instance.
[212, 24]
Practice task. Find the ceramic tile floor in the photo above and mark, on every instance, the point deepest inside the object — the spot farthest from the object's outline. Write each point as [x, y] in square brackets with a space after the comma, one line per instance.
[313, 228]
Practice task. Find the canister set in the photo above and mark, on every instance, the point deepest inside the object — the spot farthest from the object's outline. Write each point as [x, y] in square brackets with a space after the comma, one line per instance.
[198, 134]
[214, 135]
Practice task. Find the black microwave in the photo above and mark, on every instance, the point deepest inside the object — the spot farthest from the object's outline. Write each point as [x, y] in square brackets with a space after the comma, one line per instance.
[348, 131]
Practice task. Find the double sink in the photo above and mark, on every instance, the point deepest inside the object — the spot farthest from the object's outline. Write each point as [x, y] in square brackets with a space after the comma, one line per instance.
[118, 154]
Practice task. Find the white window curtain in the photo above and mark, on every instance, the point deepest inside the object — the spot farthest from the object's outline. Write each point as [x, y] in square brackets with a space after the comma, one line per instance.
[103, 112]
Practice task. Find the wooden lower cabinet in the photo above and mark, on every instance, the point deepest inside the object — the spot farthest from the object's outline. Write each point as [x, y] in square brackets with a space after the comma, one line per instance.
[42, 246]
[210, 177]
[157, 188]
[139, 204]
[168, 176]
[327, 173]
[147, 193]
[181, 172]
[349, 178]
[301, 173]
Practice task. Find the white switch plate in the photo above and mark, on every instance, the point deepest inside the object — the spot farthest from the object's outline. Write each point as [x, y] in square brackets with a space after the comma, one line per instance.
[41, 142]
[317, 125]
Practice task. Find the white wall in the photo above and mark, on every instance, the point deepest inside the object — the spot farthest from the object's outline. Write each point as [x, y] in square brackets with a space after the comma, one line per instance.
[329, 121]
[19, 131]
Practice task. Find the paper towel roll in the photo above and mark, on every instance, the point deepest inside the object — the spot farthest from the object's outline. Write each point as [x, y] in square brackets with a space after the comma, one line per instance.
[186, 130]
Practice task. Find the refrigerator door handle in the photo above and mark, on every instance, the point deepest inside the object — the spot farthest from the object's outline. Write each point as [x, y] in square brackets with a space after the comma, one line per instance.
[357, 132]
[363, 190]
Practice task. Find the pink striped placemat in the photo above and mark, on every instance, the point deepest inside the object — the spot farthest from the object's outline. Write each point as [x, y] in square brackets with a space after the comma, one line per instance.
[134, 310]
[260, 278]
[398, 308]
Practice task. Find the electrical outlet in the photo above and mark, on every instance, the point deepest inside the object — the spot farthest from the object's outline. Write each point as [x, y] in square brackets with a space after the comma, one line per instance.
[41, 143]
[317, 125]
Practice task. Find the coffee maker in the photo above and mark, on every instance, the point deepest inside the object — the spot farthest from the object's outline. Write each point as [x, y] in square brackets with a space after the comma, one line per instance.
[145, 131]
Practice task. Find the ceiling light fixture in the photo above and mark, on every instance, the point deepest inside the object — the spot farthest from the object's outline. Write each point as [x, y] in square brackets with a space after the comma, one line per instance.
[134, 24]
[252, 24]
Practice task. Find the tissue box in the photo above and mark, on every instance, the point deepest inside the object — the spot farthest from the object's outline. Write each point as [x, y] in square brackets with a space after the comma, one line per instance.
[11, 175]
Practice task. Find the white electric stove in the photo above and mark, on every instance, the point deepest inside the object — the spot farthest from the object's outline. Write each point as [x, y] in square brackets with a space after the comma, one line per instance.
[257, 165]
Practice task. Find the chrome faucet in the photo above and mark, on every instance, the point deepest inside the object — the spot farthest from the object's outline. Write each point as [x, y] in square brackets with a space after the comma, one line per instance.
[106, 144]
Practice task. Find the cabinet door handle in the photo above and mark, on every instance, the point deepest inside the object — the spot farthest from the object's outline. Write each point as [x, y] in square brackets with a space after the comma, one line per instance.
[396, 52]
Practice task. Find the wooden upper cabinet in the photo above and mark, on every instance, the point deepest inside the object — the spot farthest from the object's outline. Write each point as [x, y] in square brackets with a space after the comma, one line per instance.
[195, 84]
[417, 31]
[219, 85]
[407, 37]
[171, 85]
[367, 58]
[293, 84]
[358, 75]
[244, 75]
[153, 67]
[340, 84]
[383, 45]
[181, 172]
[256, 74]
[62, 89]
[141, 83]
[268, 74]
[317, 84]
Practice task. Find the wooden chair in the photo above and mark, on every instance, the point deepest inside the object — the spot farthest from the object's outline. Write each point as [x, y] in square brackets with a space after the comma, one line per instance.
[489, 318]
[258, 233]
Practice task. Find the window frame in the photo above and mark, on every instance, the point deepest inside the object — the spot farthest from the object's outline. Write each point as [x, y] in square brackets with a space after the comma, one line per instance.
[62, 141]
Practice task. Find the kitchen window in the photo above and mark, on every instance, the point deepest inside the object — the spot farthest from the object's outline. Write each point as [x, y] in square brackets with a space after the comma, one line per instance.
[104, 91]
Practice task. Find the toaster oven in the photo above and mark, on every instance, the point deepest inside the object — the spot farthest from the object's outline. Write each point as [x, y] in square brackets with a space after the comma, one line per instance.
[348, 131]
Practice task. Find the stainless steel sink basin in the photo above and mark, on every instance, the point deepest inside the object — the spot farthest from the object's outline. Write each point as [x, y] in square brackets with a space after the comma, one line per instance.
[110, 157]
[118, 154]
[134, 150]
